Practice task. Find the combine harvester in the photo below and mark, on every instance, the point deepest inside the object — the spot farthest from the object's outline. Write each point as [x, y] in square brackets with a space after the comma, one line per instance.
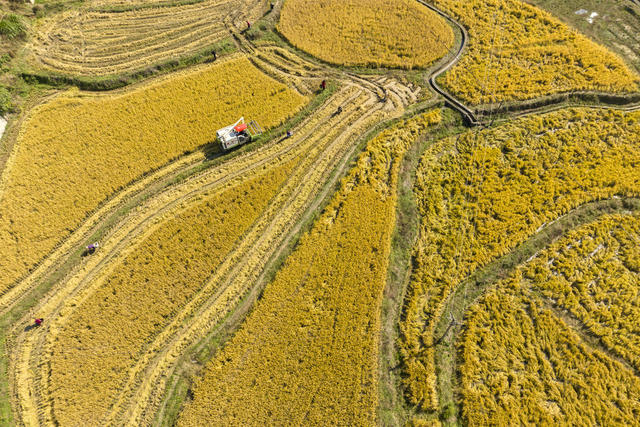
[238, 133]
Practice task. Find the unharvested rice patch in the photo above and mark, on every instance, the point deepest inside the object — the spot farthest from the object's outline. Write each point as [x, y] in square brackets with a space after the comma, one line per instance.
[77, 149]
[401, 33]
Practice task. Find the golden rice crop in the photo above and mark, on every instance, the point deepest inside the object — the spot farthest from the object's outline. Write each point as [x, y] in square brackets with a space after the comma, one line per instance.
[90, 41]
[77, 149]
[594, 273]
[522, 365]
[104, 335]
[517, 51]
[400, 34]
[319, 145]
[308, 352]
[482, 193]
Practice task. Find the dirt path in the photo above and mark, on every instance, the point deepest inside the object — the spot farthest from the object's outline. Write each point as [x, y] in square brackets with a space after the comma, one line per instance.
[450, 324]
[451, 100]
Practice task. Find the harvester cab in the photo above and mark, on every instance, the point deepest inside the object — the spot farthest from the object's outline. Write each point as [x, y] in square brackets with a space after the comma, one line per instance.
[238, 133]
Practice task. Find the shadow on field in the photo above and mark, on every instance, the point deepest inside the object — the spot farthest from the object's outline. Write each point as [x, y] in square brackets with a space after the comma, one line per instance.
[211, 150]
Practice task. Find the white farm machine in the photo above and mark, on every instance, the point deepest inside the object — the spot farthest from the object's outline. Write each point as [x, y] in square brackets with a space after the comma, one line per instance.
[238, 133]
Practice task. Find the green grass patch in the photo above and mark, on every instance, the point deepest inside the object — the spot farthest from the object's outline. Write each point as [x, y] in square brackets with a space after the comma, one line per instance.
[12, 27]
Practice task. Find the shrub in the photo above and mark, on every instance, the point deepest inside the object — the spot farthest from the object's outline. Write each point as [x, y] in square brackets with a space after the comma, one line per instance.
[5, 100]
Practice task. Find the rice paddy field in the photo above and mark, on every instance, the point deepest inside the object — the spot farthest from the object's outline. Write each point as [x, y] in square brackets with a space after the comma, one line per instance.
[432, 216]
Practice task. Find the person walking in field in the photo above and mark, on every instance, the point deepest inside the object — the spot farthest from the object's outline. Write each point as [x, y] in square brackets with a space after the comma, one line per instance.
[39, 321]
[92, 248]
[323, 85]
[248, 25]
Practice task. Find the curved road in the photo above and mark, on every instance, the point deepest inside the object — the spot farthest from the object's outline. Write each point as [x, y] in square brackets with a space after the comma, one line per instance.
[468, 115]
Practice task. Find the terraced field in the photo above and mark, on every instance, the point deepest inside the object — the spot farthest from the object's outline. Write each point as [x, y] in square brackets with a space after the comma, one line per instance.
[92, 146]
[568, 321]
[96, 42]
[382, 254]
[321, 144]
[402, 34]
[518, 52]
[525, 175]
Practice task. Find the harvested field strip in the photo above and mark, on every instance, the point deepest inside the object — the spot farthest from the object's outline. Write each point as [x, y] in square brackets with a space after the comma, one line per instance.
[517, 52]
[124, 5]
[359, 118]
[98, 144]
[320, 312]
[87, 42]
[366, 32]
[101, 338]
[523, 175]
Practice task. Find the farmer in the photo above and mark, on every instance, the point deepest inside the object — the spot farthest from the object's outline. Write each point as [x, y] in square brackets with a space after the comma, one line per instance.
[92, 247]
[248, 25]
[323, 85]
[339, 110]
[39, 321]
[288, 134]
[215, 55]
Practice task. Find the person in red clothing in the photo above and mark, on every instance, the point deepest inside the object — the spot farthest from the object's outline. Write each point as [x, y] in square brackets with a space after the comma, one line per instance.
[248, 25]
[323, 85]
[39, 321]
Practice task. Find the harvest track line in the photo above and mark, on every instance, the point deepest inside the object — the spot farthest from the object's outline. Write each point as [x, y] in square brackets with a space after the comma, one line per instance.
[469, 290]
[166, 201]
[29, 348]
